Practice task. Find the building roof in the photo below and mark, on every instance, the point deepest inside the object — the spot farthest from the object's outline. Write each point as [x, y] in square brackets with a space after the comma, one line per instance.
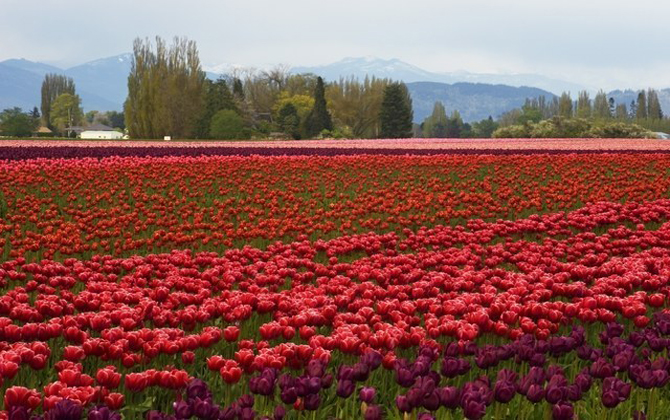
[43, 129]
[92, 127]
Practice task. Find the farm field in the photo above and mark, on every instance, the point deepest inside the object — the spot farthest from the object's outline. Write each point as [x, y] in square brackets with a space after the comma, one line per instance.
[367, 279]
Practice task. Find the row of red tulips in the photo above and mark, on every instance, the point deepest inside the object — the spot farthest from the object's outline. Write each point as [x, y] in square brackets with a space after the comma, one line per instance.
[127, 206]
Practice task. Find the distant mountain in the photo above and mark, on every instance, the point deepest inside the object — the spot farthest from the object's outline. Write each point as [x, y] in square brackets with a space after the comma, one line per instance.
[106, 81]
[371, 66]
[31, 66]
[101, 84]
[398, 70]
[19, 87]
[474, 101]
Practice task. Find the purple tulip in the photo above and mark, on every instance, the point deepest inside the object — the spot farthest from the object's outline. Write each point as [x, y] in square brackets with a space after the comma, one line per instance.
[535, 393]
[65, 410]
[504, 391]
[373, 412]
[404, 377]
[449, 396]
[197, 388]
[361, 372]
[431, 402]
[367, 394]
[279, 413]
[315, 367]
[327, 381]
[474, 409]
[312, 402]
[345, 388]
[247, 413]
[563, 411]
[289, 396]
[182, 410]
[403, 404]
[101, 412]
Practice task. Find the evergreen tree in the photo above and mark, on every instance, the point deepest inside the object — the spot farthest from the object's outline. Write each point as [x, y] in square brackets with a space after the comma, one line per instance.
[613, 106]
[641, 111]
[238, 88]
[565, 105]
[53, 86]
[395, 114]
[319, 118]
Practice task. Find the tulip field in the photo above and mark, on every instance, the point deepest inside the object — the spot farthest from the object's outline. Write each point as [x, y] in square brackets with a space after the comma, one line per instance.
[353, 283]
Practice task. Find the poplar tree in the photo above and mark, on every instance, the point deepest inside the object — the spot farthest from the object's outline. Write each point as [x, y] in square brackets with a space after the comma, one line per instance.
[53, 86]
[565, 105]
[166, 90]
[395, 115]
[601, 106]
[583, 105]
[653, 105]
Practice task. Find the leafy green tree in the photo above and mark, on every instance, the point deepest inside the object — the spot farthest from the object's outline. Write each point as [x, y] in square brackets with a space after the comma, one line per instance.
[116, 119]
[529, 113]
[484, 128]
[455, 126]
[318, 118]
[217, 97]
[621, 112]
[641, 111]
[166, 90]
[227, 125]
[565, 105]
[288, 120]
[15, 123]
[53, 86]
[66, 112]
[395, 115]
[355, 105]
[435, 125]
[302, 103]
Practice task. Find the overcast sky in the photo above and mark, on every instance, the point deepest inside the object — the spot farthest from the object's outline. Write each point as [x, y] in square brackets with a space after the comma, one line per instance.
[597, 43]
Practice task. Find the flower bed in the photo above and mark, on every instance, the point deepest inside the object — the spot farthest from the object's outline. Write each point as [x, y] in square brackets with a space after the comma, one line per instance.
[379, 287]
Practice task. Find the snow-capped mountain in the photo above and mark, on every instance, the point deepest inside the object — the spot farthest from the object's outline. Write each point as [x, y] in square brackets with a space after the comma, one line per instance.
[399, 70]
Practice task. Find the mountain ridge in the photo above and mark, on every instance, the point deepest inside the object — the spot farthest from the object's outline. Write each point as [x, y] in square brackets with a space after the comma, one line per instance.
[102, 84]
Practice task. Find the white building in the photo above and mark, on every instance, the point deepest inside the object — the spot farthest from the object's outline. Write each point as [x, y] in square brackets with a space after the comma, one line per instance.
[99, 132]
[102, 135]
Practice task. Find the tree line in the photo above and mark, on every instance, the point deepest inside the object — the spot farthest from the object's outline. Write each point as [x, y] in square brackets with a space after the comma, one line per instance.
[169, 95]
[585, 117]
